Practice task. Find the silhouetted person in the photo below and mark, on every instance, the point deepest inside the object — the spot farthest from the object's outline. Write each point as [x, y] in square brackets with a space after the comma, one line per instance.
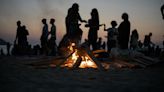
[140, 44]
[36, 49]
[147, 40]
[93, 25]
[148, 44]
[112, 35]
[124, 32]
[157, 51]
[53, 37]
[44, 37]
[99, 43]
[29, 50]
[162, 11]
[74, 17]
[18, 33]
[8, 45]
[20, 42]
[73, 31]
[23, 43]
[14, 50]
[24, 34]
[104, 45]
[134, 40]
[2, 53]
[151, 50]
[68, 20]
[85, 44]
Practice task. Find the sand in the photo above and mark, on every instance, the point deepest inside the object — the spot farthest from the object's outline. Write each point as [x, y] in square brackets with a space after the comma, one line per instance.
[17, 76]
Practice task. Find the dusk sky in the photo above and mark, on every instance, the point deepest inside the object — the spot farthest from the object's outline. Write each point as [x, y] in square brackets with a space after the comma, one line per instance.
[145, 16]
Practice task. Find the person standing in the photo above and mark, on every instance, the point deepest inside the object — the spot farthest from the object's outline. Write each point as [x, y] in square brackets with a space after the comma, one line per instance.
[93, 25]
[147, 40]
[73, 19]
[104, 45]
[68, 21]
[25, 33]
[148, 44]
[112, 36]
[73, 31]
[53, 37]
[124, 32]
[8, 45]
[99, 43]
[140, 44]
[44, 37]
[1, 52]
[18, 33]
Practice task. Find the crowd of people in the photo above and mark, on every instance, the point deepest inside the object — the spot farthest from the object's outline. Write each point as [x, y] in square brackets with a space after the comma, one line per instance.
[48, 46]
[117, 37]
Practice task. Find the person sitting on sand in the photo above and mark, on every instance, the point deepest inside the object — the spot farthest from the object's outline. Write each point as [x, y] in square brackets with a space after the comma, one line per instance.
[134, 40]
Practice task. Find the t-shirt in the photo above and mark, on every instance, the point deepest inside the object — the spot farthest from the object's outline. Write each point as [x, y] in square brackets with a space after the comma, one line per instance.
[45, 31]
[53, 31]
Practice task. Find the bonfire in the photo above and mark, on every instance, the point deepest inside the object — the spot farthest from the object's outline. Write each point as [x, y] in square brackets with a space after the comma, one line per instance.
[80, 57]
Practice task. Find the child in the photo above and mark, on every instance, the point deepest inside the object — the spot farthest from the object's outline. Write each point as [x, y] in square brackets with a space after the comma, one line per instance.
[112, 35]
[134, 40]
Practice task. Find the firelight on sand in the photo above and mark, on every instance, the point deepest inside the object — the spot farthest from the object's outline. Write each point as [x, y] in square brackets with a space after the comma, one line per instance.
[85, 63]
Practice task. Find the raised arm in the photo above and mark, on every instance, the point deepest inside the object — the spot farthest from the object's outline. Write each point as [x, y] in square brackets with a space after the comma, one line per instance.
[101, 24]
[79, 17]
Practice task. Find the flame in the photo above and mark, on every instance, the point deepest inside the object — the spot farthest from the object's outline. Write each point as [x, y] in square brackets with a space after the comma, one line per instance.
[72, 60]
[71, 47]
[85, 63]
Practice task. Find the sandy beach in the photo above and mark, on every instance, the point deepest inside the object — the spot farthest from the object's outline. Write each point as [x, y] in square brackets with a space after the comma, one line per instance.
[17, 76]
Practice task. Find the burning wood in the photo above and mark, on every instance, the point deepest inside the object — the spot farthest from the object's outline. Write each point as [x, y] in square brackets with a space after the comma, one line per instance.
[80, 57]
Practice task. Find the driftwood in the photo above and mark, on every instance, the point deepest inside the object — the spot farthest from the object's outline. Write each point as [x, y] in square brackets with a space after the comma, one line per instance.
[82, 51]
[65, 59]
[145, 61]
[91, 57]
[77, 64]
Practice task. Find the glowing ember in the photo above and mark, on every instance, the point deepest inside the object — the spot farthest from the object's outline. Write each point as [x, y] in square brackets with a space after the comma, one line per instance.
[72, 60]
[71, 47]
[85, 63]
